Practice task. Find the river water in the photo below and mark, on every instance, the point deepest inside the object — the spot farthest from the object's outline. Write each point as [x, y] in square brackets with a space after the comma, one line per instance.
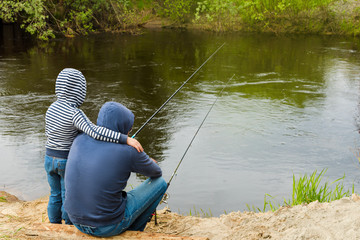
[291, 108]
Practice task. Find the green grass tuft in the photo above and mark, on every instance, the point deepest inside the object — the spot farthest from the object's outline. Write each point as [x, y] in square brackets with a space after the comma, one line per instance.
[201, 213]
[308, 189]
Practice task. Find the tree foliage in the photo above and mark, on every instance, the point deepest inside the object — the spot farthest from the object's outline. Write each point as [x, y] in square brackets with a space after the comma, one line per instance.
[46, 18]
[179, 11]
[30, 14]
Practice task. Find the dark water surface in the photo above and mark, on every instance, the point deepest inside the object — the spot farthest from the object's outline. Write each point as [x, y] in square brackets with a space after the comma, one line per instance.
[292, 108]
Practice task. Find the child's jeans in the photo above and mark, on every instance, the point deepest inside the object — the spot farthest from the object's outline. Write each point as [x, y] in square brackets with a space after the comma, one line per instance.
[140, 205]
[55, 169]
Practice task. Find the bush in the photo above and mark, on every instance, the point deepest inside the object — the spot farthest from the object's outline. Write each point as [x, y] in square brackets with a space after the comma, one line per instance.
[31, 14]
[177, 10]
[70, 17]
[223, 15]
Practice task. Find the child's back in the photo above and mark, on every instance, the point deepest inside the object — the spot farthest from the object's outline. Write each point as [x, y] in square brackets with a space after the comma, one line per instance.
[63, 121]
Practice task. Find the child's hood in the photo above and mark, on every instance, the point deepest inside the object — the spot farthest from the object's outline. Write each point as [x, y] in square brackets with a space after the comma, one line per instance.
[71, 87]
[116, 117]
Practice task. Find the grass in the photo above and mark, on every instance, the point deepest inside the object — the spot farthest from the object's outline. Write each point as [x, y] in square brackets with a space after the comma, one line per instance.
[267, 204]
[199, 213]
[306, 189]
[3, 199]
[10, 235]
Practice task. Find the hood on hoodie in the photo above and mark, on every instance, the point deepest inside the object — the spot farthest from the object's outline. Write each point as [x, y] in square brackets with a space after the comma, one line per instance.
[71, 87]
[116, 117]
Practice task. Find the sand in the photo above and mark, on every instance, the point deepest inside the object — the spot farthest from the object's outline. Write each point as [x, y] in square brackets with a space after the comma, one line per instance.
[336, 220]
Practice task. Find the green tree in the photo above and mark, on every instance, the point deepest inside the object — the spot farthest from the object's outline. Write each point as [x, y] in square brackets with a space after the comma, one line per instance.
[30, 14]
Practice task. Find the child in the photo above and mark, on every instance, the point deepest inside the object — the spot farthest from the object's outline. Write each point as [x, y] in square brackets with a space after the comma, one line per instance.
[63, 121]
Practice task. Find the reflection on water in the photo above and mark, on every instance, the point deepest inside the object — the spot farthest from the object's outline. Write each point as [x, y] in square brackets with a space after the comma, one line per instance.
[292, 108]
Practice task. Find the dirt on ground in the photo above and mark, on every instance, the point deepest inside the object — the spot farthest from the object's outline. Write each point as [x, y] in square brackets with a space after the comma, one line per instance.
[336, 220]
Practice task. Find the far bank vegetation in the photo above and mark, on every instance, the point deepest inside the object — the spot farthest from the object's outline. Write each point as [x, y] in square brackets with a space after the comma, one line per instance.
[48, 19]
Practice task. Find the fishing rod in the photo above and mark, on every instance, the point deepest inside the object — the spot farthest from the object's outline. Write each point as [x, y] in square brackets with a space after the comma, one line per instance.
[188, 147]
[147, 121]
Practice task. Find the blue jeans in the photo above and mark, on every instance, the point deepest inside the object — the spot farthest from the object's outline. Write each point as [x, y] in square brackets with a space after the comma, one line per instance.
[55, 169]
[141, 204]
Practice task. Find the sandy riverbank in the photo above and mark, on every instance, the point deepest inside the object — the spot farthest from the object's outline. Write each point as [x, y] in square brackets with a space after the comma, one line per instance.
[336, 220]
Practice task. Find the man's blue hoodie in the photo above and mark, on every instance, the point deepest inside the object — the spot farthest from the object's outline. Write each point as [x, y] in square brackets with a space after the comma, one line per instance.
[97, 172]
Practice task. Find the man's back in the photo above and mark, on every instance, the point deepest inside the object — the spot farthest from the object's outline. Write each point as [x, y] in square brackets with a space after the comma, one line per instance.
[97, 172]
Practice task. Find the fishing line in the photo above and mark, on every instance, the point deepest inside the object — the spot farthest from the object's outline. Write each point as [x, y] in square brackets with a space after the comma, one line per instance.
[188, 147]
[166, 196]
[147, 121]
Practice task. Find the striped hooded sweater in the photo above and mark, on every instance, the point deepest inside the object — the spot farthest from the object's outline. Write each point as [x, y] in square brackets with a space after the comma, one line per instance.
[64, 120]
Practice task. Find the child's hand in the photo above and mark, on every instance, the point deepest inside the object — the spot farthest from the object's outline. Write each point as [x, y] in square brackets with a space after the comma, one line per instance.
[135, 144]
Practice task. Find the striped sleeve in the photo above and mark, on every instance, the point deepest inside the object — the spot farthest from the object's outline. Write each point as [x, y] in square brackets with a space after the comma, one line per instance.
[83, 123]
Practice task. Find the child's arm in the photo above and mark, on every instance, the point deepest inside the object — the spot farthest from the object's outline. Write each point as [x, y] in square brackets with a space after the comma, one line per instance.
[83, 123]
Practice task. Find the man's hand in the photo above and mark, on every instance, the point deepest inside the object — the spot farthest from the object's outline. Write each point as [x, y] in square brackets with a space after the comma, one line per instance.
[135, 144]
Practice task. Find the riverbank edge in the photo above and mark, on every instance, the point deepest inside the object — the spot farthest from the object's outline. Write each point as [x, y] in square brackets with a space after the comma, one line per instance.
[334, 220]
[340, 17]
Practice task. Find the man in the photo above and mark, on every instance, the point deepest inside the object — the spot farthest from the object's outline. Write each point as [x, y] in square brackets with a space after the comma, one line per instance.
[97, 173]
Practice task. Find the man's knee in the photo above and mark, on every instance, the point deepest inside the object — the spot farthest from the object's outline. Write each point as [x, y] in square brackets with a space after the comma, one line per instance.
[161, 183]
